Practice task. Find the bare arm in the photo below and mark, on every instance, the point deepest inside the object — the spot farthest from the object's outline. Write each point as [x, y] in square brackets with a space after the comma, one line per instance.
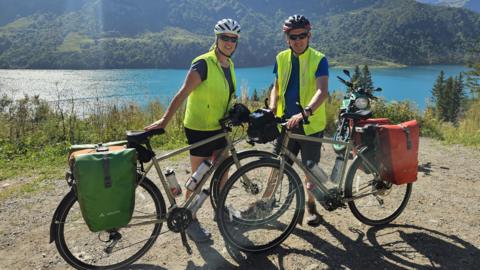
[274, 97]
[318, 98]
[191, 82]
[321, 95]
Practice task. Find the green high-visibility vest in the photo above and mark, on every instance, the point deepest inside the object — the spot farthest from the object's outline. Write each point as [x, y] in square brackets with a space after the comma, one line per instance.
[210, 101]
[308, 62]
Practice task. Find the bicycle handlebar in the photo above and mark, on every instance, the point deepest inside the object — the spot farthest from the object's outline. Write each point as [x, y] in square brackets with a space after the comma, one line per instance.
[142, 136]
[302, 111]
[283, 120]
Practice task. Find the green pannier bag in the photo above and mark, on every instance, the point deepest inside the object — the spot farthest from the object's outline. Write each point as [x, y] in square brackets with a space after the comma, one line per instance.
[105, 180]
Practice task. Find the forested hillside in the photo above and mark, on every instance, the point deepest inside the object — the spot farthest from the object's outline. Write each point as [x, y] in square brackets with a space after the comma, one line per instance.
[473, 5]
[168, 34]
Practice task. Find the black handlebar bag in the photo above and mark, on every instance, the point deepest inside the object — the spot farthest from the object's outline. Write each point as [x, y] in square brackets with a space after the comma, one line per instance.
[262, 126]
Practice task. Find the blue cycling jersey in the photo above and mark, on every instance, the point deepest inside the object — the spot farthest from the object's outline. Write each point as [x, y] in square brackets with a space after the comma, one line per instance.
[292, 93]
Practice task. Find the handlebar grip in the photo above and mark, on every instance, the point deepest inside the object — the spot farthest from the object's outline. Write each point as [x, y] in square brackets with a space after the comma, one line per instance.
[305, 118]
[142, 136]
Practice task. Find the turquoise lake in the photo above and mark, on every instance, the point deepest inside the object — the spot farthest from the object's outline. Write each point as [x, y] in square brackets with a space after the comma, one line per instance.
[412, 83]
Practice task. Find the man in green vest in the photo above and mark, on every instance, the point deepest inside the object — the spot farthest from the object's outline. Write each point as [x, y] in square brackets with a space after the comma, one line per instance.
[301, 75]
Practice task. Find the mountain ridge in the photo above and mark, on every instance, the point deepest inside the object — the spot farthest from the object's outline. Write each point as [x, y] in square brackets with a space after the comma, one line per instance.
[467, 4]
[166, 33]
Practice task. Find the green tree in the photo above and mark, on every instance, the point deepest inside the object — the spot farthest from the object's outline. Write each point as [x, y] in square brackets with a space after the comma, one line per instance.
[367, 82]
[458, 98]
[437, 90]
[357, 76]
[449, 98]
[473, 80]
[473, 75]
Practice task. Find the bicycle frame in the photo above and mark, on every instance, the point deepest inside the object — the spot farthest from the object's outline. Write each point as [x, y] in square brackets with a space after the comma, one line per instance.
[171, 198]
[284, 152]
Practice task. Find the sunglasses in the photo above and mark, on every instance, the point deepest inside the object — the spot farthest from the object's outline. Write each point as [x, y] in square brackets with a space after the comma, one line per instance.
[299, 36]
[227, 38]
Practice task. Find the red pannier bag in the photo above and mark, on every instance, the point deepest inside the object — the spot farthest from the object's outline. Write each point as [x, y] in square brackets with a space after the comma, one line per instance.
[397, 152]
[357, 137]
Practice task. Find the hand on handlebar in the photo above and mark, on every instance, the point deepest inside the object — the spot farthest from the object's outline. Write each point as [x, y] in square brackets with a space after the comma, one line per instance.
[294, 121]
[156, 125]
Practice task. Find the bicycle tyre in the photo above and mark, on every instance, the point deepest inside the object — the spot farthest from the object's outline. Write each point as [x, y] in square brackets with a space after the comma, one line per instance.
[398, 195]
[231, 227]
[226, 166]
[69, 207]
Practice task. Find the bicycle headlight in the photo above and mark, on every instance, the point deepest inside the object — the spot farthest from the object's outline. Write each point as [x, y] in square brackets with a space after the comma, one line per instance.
[361, 103]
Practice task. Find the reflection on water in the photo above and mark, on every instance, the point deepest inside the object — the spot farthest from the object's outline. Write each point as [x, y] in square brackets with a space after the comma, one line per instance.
[144, 85]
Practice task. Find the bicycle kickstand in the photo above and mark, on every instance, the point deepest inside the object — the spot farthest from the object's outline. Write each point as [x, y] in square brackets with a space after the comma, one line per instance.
[185, 242]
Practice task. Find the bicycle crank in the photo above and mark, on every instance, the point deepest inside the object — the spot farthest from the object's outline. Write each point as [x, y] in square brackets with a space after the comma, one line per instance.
[333, 200]
[179, 219]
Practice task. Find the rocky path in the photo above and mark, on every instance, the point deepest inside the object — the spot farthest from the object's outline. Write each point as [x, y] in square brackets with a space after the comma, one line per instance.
[439, 229]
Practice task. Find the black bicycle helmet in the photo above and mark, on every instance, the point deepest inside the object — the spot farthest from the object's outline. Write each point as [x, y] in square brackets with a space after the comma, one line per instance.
[296, 22]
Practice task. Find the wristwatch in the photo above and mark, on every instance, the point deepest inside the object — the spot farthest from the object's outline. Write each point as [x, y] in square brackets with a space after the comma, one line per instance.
[309, 110]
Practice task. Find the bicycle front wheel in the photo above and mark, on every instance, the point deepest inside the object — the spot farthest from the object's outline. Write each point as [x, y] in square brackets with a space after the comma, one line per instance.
[260, 219]
[114, 249]
[374, 202]
[228, 167]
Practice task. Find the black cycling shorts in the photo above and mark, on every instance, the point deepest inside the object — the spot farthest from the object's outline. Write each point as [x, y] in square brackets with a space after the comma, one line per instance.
[205, 150]
[308, 150]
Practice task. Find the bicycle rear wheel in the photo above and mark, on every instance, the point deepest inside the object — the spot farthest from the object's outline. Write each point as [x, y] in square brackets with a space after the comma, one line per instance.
[258, 220]
[84, 249]
[376, 202]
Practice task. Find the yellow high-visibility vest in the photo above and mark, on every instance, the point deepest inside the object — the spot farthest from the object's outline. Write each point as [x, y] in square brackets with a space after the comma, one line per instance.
[210, 101]
[308, 62]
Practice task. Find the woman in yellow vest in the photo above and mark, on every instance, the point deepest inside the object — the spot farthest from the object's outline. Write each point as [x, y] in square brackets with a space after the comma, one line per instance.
[301, 76]
[209, 86]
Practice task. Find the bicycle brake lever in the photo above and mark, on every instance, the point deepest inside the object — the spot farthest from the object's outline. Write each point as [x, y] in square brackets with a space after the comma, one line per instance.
[185, 242]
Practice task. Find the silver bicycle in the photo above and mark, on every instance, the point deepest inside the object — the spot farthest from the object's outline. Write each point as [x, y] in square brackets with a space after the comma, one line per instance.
[120, 247]
[258, 220]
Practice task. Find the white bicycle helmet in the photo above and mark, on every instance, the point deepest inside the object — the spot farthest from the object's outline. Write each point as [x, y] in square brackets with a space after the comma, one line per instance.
[227, 26]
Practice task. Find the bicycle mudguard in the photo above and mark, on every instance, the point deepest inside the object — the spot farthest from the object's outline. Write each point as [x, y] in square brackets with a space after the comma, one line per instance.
[53, 224]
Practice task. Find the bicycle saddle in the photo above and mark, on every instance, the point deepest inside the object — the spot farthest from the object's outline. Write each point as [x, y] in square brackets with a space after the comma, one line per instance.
[358, 115]
[142, 136]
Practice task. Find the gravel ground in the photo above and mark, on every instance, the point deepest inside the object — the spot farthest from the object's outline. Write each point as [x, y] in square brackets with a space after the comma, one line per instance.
[439, 228]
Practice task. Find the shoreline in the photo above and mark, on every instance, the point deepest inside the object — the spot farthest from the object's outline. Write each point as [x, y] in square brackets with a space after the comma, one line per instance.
[334, 66]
